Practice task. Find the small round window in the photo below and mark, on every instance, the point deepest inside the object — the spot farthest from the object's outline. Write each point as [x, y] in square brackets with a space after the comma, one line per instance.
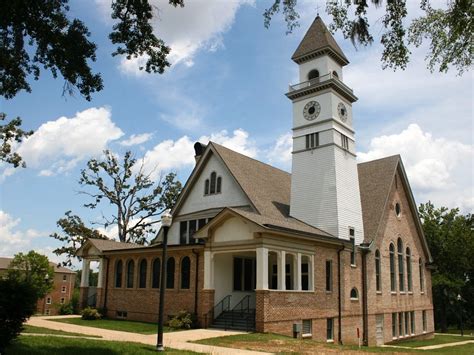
[334, 73]
[398, 209]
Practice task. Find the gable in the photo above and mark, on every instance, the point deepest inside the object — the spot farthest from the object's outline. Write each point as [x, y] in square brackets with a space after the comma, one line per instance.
[233, 229]
[231, 194]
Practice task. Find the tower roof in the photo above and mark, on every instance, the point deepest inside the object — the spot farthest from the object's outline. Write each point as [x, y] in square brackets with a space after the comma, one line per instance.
[317, 41]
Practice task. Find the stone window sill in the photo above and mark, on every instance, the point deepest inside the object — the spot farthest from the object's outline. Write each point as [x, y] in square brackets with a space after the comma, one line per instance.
[379, 292]
[306, 335]
[410, 292]
[353, 266]
[393, 293]
[330, 341]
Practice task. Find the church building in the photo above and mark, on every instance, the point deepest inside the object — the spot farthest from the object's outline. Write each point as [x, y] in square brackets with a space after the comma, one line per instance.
[334, 251]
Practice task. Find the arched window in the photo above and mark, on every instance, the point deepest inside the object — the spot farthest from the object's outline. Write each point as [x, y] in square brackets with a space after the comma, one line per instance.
[354, 294]
[130, 272]
[398, 209]
[401, 269]
[213, 182]
[378, 283]
[334, 74]
[155, 281]
[142, 271]
[313, 74]
[219, 185]
[170, 273]
[409, 278]
[185, 272]
[393, 282]
[422, 276]
[118, 273]
[206, 187]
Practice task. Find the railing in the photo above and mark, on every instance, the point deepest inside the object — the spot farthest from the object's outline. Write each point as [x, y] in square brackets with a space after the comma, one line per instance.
[241, 308]
[218, 309]
[318, 80]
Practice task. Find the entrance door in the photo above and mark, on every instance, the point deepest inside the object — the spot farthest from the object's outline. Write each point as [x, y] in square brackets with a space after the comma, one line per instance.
[379, 329]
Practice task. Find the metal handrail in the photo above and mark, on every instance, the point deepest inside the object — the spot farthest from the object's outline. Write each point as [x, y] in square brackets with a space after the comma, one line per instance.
[223, 304]
[318, 80]
[240, 306]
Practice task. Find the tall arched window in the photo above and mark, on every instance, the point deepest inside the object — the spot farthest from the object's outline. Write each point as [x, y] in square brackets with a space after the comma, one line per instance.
[206, 187]
[378, 283]
[409, 277]
[422, 276]
[401, 269]
[213, 182]
[219, 185]
[118, 273]
[142, 271]
[130, 272]
[313, 74]
[185, 272]
[354, 294]
[393, 281]
[170, 264]
[155, 281]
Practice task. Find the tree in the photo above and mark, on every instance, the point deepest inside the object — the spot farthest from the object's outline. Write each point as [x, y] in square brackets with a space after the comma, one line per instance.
[135, 198]
[451, 242]
[42, 34]
[34, 269]
[447, 30]
[74, 235]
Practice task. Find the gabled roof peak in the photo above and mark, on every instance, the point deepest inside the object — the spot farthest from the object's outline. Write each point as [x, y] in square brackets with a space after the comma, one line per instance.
[317, 41]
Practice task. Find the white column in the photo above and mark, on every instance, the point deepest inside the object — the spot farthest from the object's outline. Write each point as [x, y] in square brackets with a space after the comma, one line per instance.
[85, 272]
[281, 270]
[297, 282]
[262, 268]
[100, 280]
[208, 270]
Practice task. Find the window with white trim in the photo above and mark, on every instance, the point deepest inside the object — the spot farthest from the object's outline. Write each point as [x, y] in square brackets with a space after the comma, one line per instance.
[63, 289]
[48, 300]
[344, 142]
[213, 185]
[307, 327]
[61, 301]
[353, 251]
[394, 325]
[64, 278]
[423, 315]
[378, 281]
[328, 275]
[187, 229]
[401, 269]
[409, 277]
[354, 294]
[422, 276]
[412, 322]
[330, 329]
[400, 324]
[312, 140]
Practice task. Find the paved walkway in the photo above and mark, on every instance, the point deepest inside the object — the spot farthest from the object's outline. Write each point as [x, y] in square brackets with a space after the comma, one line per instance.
[430, 347]
[177, 340]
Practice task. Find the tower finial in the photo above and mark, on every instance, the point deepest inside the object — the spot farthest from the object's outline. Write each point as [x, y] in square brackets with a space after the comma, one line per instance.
[317, 9]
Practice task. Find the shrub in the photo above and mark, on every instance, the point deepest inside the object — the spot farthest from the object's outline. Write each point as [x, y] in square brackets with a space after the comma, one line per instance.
[90, 313]
[183, 320]
[17, 303]
[66, 308]
[75, 301]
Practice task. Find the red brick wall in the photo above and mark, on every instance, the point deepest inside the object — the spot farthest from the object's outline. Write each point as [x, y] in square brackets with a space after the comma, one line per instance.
[57, 294]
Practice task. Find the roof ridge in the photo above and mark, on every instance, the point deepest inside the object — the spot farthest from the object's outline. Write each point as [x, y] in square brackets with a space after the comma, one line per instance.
[378, 159]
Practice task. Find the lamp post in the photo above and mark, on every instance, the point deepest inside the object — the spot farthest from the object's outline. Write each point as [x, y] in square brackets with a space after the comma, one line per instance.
[166, 220]
[459, 298]
[46, 280]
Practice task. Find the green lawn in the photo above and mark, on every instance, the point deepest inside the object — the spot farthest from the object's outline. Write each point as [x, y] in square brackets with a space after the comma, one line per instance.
[283, 345]
[457, 331]
[30, 329]
[114, 324]
[50, 345]
[438, 339]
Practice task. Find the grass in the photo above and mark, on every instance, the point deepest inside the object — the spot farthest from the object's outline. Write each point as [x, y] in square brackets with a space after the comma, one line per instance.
[114, 324]
[30, 329]
[458, 331]
[50, 345]
[284, 345]
[438, 339]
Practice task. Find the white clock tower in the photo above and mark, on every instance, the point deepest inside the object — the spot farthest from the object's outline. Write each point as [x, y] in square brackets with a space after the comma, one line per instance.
[324, 184]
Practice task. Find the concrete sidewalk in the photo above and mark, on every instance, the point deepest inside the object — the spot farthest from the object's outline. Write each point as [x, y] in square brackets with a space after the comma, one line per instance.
[177, 340]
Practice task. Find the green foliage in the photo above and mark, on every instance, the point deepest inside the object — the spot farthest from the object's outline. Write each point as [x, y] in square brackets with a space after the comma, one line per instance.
[89, 313]
[449, 30]
[451, 242]
[75, 301]
[17, 303]
[183, 320]
[11, 133]
[66, 308]
[74, 235]
[137, 199]
[34, 269]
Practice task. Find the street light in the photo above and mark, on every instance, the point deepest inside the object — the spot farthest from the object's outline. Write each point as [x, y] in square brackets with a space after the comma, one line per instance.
[459, 298]
[166, 220]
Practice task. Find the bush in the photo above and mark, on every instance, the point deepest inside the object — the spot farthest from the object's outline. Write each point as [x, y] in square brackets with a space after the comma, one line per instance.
[75, 301]
[183, 320]
[66, 309]
[17, 303]
[90, 313]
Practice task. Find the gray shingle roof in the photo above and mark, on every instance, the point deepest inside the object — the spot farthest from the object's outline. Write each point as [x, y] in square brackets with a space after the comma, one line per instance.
[107, 245]
[318, 39]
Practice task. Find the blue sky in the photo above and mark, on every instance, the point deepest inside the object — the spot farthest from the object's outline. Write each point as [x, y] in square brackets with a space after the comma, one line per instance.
[227, 84]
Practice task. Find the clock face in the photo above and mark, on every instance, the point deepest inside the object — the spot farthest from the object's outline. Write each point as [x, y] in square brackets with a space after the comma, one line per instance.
[311, 110]
[342, 111]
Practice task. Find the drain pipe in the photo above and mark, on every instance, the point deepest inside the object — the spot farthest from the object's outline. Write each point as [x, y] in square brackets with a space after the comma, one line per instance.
[196, 280]
[339, 300]
[106, 284]
[365, 249]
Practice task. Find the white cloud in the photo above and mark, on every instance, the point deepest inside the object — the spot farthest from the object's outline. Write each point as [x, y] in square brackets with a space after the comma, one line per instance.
[439, 169]
[280, 153]
[239, 141]
[57, 146]
[12, 239]
[199, 25]
[136, 139]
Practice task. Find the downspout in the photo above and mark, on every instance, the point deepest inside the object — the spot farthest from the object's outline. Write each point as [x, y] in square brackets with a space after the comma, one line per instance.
[196, 280]
[106, 285]
[339, 300]
[365, 249]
